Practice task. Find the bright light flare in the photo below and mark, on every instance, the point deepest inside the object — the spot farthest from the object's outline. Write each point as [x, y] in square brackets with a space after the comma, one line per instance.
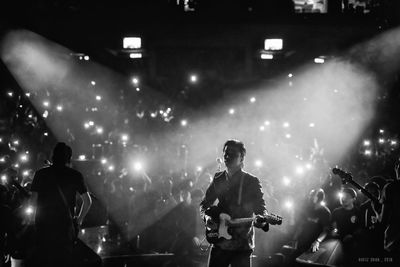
[93, 83]
[24, 158]
[132, 42]
[59, 108]
[258, 163]
[99, 130]
[111, 168]
[273, 44]
[103, 161]
[299, 170]
[29, 210]
[252, 99]
[82, 157]
[231, 111]
[137, 166]
[367, 152]
[193, 78]
[4, 178]
[184, 123]
[340, 195]
[288, 204]
[286, 125]
[367, 142]
[286, 181]
[124, 137]
[98, 98]
[135, 80]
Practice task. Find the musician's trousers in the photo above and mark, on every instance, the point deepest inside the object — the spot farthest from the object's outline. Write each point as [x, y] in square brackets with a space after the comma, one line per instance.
[222, 258]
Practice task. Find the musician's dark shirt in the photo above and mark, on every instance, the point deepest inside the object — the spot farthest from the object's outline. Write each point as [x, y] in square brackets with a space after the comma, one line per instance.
[314, 221]
[391, 199]
[347, 221]
[51, 213]
[251, 202]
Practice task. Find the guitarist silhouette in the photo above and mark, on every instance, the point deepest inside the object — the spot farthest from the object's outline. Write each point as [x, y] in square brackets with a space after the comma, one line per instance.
[241, 204]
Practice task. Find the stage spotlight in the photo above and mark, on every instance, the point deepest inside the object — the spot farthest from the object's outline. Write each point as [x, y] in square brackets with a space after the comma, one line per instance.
[267, 56]
[367, 142]
[184, 123]
[86, 58]
[98, 98]
[290, 75]
[381, 140]
[91, 123]
[4, 178]
[367, 152]
[381, 131]
[132, 42]
[267, 123]
[46, 134]
[340, 195]
[135, 55]
[15, 142]
[82, 157]
[286, 125]
[252, 99]
[308, 166]
[25, 173]
[319, 60]
[231, 111]
[45, 114]
[59, 108]
[28, 94]
[311, 125]
[46, 103]
[288, 136]
[111, 168]
[262, 128]
[93, 83]
[10, 94]
[199, 168]
[103, 161]
[273, 44]
[393, 142]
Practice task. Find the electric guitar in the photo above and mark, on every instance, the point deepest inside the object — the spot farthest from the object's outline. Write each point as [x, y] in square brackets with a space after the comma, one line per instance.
[348, 178]
[225, 223]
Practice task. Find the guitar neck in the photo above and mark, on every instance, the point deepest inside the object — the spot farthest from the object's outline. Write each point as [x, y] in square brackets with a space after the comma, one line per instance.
[365, 192]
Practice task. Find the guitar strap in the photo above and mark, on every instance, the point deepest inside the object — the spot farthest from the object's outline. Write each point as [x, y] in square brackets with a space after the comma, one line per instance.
[240, 189]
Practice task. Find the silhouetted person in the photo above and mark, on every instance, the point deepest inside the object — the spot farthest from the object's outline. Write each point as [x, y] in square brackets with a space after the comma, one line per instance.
[314, 224]
[239, 195]
[390, 215]
[54, 191]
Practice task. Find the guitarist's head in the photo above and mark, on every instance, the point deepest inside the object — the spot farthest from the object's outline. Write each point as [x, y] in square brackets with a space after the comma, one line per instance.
[349, 195]
[61, 154]
[234, 152]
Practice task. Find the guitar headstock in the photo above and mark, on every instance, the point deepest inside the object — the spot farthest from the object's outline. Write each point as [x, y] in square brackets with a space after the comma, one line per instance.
[345, 176]
[274, 219]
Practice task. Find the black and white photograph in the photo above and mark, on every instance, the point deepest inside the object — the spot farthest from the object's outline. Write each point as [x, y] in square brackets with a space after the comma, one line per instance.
[200, 133]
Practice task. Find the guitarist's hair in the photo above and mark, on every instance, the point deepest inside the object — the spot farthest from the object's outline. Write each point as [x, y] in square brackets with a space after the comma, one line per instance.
[238, 144]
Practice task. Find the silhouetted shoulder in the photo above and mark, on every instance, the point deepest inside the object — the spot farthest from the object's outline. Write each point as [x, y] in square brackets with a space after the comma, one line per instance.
[251, 177]
[219, 175]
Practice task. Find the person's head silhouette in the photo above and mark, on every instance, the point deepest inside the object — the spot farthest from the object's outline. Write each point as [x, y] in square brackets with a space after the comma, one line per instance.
[61, 154]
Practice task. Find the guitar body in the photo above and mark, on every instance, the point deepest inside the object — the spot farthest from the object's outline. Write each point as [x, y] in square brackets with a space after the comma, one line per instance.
[225, 223]
[221, 232]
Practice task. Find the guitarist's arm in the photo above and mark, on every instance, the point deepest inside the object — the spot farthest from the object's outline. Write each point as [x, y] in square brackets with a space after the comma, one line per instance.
[87, 202]
[259, 206]
[208, 200]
